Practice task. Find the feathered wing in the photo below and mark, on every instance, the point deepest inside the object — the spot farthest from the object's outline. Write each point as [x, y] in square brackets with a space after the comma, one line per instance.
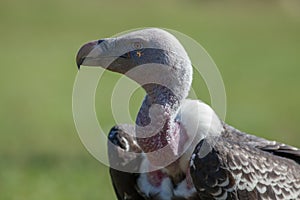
[122, 142]
[273, 147]
[240, 166]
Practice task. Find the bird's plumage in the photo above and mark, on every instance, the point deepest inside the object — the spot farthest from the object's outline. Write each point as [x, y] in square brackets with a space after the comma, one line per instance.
[238, 166]
[200, 157]
[272, 147]
[126, 184]
[121, 143]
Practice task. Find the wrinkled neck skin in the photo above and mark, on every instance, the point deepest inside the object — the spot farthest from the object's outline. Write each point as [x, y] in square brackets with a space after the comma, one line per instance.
[156, 115]
[155, 124]
[159, 100]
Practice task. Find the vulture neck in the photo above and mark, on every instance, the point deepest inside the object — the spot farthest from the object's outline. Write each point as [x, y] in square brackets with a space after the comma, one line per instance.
[156, 125]
[159, 100]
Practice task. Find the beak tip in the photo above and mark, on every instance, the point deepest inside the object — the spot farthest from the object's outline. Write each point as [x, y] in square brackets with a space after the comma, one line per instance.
[79, 60]
[79, 63]
[83, 52]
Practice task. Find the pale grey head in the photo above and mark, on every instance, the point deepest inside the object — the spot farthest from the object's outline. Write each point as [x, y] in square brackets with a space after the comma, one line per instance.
[157, 61]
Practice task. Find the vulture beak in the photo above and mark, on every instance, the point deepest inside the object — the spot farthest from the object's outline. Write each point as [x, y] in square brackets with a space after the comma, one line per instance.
[84, 51]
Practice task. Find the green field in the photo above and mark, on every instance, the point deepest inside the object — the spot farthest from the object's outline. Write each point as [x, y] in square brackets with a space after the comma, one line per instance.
[255, 45]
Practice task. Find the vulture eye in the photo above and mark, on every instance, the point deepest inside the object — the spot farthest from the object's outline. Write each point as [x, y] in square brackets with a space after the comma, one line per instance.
[137, 45]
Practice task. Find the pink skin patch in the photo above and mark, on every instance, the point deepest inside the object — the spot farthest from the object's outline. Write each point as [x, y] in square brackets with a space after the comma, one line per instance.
[189, 179]
[155, 178]
[165, 147]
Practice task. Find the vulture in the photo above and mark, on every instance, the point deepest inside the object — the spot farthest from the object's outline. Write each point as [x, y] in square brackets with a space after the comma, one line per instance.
[179, 148]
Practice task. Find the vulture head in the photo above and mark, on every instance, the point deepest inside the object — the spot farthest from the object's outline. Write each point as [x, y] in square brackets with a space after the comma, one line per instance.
[149, 56]
[157, 61]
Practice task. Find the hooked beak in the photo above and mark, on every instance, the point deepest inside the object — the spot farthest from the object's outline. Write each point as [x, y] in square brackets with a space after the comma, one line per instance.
[84, 51]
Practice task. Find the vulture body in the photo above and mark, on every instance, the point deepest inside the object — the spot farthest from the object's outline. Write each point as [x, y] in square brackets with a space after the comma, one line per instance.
[179, 148]
[239, 166]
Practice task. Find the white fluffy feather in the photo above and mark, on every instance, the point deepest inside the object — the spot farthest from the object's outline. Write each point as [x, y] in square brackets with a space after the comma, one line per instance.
[199, 120]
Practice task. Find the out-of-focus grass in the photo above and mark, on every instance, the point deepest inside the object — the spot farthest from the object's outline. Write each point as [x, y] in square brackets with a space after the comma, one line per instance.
[255, 45]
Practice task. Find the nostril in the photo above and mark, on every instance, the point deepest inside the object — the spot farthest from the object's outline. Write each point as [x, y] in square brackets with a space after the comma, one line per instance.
[100, 41]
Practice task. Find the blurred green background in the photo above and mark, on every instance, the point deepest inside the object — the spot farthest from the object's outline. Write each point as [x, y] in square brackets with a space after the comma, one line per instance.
[255, 45]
